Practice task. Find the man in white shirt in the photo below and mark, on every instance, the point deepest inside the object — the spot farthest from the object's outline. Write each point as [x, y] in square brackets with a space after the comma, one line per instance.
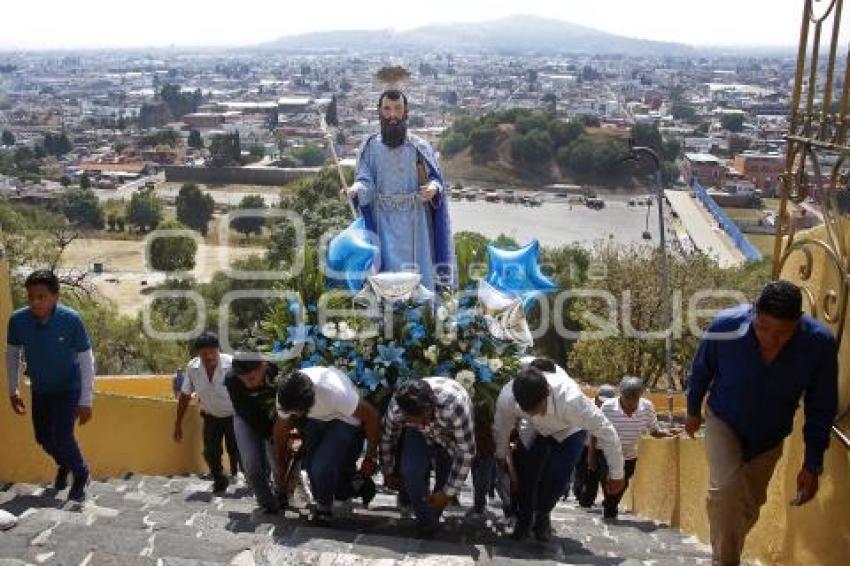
[631, 416]
[560, 416]
[205, 376]
[326, 407]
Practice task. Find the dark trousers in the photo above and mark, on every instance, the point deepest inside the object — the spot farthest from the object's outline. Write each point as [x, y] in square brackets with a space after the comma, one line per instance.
[543, 471]
[611, 502]
[53, 419]
[586, 481]
[418, 458]
[486, 476]
[216, 430]
[331, 449]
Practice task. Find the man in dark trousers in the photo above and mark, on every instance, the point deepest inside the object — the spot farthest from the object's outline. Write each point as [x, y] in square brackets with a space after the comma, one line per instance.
[755, 363]
[60, 365]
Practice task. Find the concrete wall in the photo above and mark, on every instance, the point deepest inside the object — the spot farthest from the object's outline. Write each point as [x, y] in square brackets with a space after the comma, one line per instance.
[236, 175]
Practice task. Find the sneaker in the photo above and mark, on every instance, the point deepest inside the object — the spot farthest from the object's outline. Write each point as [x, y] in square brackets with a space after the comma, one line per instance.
[543, 530]
[7, 520]
[220, 484]
[78, 488]
[61, 481]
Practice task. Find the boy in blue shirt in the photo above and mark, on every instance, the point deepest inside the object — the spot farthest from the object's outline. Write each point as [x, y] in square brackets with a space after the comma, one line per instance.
[60, 365]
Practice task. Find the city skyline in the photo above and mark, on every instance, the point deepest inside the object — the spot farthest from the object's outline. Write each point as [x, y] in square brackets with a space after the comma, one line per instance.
[755, 23]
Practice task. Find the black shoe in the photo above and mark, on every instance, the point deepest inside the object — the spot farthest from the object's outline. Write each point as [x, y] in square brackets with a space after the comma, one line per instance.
[543, 530]
[521, 531]
[78, 488]
[426, 532]
[322, 517]
[220, 484]
[61, 481]
[367, 491]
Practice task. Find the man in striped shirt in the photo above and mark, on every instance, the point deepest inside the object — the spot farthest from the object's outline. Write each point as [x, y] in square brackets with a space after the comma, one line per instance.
[631, 416]
[432, 418]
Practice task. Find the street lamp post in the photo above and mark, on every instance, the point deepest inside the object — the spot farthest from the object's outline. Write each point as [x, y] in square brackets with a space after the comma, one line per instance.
[635, 152]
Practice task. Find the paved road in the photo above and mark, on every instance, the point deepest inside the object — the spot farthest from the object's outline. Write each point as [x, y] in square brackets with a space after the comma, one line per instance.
[160, 521]
[706, 235]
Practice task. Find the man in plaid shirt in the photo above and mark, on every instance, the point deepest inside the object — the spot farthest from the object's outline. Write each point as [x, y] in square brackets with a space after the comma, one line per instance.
[432, 417]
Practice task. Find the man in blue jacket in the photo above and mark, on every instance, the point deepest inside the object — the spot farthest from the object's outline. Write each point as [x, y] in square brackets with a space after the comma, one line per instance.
[60, 365]
[755, 363]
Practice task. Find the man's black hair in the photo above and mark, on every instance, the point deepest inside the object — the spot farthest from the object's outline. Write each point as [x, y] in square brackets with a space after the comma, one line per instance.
[543, 364]
[205, 340]
[415, 398]
[43, 277]
[245, 362]
[781, 299]
[530, 388]
[392, 94]
[296, 394]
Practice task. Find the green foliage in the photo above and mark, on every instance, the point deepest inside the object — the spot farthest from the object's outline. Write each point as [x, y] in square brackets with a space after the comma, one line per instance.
[144, 210]
[85, 181]
[57, 144]
[632, 273]
[194, 208]
[225, 150]
[483, 140]
[732, 122]
[647, 135]
[173, 253]
[8, 138]
[532, 150]
[310, 155]
[331, 113]
[82, 208]
[248, 225]
[22, 163]
[195, 141]
[534, 121]
[684, 112]
[167, 137]
[180, 103]
[453, 143]
[565, 133]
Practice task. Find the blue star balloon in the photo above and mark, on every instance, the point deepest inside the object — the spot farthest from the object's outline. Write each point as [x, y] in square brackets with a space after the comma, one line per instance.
[518, 272]
[350, 256]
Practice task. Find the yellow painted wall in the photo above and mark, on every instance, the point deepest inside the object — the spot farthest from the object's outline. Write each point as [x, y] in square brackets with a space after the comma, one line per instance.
[816, 534]
[155, 386]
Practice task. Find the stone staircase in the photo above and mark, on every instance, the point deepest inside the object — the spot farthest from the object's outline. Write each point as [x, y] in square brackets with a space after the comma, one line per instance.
[176, 521]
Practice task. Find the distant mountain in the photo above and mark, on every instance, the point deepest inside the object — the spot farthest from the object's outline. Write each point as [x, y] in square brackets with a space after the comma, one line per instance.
[513, 34]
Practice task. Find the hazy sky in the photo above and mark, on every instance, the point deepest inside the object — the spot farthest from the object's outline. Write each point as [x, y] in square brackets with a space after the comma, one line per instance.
[47, 24]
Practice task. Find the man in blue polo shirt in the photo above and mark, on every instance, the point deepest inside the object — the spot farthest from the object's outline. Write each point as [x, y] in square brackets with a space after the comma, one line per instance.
[60, 365]
[756, 363]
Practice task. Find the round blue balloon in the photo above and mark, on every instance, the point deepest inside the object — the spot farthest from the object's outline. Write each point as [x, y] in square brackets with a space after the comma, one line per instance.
[351, 256]
[518, 272]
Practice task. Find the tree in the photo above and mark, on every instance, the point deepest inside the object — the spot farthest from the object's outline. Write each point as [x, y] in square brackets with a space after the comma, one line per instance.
[732, 122]
[144, 210]
[452, 143]
[194, 208]
[565, 133]
[738, 144]
[551, 101]
[112, 221]
[65, 181]
[195, 141]
[531, 150]
[81, 207]
[120, 223]
[173, 253]
[684, 112]
[8, 138]
[309, 155]
[180, 103]
[167, 137]
[225, 150]
[482, 141]
[631, 273]
[647, 135]
[57, 144]
[331, 113]
[85, 181]
[248, 225]
[256, 152]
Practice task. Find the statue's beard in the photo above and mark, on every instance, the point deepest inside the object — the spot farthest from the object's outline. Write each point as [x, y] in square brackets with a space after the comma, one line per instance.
[393, 131]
